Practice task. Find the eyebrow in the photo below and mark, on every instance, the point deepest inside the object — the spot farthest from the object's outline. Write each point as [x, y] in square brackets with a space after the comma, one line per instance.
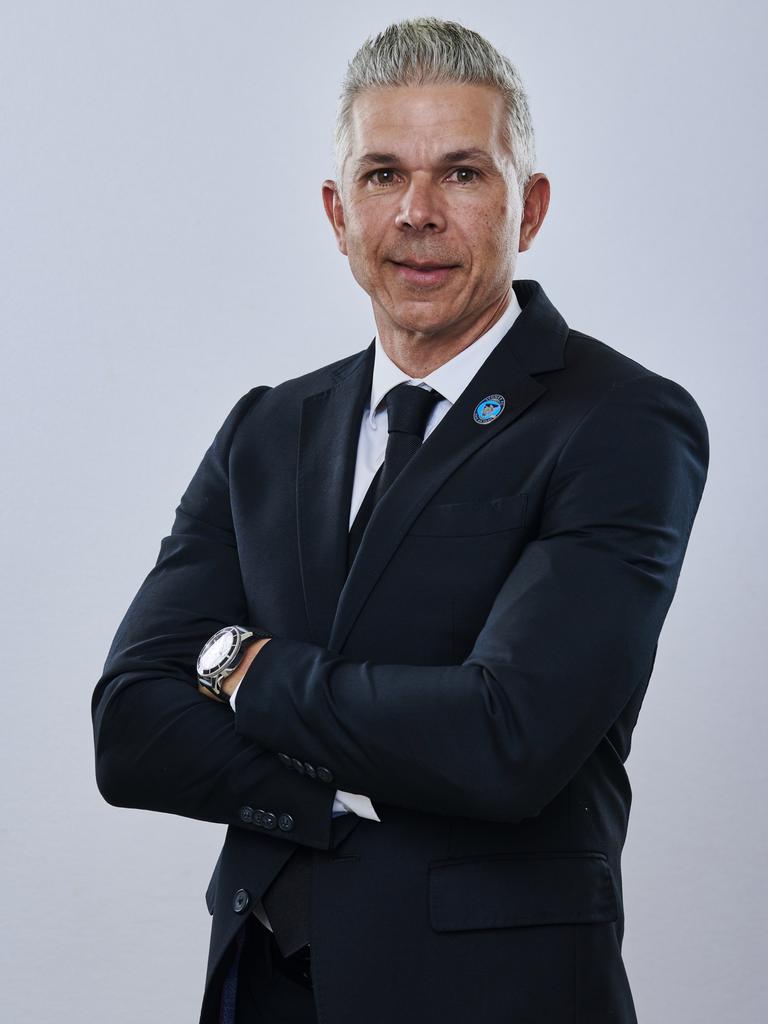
[455, 156]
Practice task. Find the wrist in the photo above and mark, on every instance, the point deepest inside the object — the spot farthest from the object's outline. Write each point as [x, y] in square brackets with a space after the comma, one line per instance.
[233, 680]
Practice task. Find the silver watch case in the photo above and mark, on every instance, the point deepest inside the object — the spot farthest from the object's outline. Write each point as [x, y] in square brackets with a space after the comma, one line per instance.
[220, 656]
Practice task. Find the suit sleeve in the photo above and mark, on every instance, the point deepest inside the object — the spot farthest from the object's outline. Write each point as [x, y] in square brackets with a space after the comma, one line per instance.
[570, 636]
[343, 803]
[162, 745]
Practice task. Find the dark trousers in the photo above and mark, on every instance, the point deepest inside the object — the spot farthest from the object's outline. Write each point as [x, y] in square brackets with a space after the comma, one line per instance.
[264, 994]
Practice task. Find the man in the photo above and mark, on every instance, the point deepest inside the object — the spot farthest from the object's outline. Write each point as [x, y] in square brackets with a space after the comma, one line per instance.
[401, 630]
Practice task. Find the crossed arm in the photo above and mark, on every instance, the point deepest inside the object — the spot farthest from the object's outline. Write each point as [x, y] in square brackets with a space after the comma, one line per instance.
[343, 802]
[570, 636]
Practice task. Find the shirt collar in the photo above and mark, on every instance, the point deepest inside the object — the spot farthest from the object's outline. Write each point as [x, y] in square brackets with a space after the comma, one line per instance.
[452, 377]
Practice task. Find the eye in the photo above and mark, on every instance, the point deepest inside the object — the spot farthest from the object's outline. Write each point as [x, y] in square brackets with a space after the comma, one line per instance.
[376, 177]
[382, 170]
[466, 170]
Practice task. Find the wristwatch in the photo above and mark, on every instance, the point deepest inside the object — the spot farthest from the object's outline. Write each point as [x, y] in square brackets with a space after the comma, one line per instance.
[221, 655]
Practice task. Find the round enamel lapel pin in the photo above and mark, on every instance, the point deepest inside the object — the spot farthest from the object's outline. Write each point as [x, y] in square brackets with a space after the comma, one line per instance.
[489, 409]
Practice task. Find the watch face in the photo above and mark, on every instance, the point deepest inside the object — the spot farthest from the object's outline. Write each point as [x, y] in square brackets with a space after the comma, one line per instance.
[217, 651]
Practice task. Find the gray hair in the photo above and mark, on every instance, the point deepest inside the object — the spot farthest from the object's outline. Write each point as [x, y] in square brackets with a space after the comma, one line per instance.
[421, 51]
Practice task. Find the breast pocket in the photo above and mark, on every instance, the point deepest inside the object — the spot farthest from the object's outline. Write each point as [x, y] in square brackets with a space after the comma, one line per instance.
[471, 518]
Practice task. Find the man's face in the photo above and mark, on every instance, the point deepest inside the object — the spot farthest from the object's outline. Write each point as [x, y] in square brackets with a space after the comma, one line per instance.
[429, 181]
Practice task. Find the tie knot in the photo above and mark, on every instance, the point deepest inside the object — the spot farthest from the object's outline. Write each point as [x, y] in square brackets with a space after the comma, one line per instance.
[408, 408]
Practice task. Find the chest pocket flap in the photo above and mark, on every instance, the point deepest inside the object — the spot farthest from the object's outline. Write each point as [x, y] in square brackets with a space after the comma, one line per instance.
[465, 518]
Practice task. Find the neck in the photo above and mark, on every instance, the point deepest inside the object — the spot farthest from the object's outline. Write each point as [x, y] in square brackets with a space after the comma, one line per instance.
[418, 354]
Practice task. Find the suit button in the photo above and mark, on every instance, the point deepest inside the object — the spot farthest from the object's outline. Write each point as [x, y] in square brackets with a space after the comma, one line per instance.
[325, 774]
[297, 764]
[309, 769]
[240, 900]
[246, 814]
[285, 821]
[286, 760]
[268, 819]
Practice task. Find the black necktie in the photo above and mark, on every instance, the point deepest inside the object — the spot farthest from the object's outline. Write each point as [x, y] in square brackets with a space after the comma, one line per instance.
[286, 901]
[408, 412]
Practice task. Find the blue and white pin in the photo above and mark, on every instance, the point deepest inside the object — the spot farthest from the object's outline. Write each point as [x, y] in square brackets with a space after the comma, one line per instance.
[489, 409]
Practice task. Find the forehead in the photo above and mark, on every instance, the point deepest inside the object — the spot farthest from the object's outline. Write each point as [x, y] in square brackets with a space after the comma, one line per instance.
[414, 119]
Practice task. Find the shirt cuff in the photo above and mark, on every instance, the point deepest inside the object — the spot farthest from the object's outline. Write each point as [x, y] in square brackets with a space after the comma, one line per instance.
[232, 698]
[356, 803]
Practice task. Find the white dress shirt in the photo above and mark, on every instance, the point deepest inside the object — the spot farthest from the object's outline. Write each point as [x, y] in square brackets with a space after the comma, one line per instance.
[450, 380]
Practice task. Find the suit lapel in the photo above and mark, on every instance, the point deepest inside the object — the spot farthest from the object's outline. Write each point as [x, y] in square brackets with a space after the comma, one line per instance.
[328, 438]
[330, 428]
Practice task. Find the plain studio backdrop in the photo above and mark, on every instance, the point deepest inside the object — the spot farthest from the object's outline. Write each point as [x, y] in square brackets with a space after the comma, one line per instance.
[164, 249]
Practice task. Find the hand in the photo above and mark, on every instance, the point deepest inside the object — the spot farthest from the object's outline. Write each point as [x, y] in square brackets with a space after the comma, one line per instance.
[232, 680]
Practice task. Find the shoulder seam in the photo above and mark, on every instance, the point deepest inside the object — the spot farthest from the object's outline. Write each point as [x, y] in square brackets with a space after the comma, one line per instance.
[254, 394]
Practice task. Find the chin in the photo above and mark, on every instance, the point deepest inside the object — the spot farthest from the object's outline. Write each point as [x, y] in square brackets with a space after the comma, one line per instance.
[420, 318]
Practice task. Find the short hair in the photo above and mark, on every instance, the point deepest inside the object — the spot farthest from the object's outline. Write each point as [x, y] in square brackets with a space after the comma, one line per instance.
[419, 51]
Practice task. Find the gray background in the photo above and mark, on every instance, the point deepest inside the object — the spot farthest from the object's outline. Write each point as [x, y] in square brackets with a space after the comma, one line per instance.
[164, 249]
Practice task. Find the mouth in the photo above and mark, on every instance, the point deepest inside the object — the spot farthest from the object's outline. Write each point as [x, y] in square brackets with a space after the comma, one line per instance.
[424, 273]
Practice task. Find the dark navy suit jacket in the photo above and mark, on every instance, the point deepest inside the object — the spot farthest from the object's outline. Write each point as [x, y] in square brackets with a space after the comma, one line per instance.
[478, 674]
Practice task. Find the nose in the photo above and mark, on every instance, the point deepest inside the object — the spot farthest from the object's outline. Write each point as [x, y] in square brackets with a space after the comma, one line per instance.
[421, 207]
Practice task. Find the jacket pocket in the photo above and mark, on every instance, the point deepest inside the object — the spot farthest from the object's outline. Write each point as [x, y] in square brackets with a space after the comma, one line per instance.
[511, 890]
[465, 518]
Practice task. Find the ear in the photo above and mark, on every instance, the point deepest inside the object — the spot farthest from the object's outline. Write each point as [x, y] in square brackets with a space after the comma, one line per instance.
[535, 208]
[335, 213]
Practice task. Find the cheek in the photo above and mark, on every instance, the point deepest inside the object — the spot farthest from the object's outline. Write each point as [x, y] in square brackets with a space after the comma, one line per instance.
[362, 248]
[483, 223]
[358, 263]
[362, 238]
[496, 230]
